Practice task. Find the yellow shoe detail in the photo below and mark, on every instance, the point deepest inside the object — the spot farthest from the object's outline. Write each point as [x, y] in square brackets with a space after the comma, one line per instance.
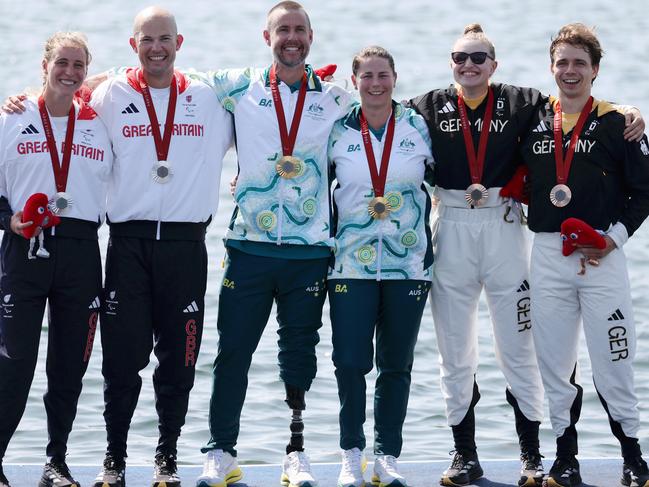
[234, 476]
[448, 482]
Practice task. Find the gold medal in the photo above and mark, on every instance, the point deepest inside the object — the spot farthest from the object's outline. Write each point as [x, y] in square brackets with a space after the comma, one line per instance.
[289, 167]
[560, 195]
[161, 172]
[60, 202]
[379, 208]
[476, 194]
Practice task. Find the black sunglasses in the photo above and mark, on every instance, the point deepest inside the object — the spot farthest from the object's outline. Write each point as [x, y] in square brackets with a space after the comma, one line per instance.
[460, 57]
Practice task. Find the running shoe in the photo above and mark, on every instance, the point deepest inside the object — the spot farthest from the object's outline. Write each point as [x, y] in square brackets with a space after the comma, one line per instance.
[296, 471]
[464, 469]
[57, 474]
[531, 469]
[165, 471]
[564, 472]
[353, 465]
[386, 472]
[634, 472]
[113, 472]
[219, 469]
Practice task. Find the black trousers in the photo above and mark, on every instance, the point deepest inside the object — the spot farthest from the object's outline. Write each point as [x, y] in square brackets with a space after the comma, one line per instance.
[155, 293]
[70, 283]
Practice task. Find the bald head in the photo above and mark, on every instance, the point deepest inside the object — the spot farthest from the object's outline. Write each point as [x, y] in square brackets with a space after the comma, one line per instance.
[157, 14]
[155, 41]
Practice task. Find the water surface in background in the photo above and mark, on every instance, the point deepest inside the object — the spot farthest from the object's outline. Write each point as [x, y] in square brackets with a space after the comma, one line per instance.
[419, 34]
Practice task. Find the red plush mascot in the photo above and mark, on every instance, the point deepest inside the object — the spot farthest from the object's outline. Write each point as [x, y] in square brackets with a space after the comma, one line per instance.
[37, 211]
[577, 232]
[515, 188]
[326, 71]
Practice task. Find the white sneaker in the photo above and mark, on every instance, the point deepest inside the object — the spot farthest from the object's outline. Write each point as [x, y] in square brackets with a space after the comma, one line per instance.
[220, 469]
[386, 472]
[296, 471]
[353, 465]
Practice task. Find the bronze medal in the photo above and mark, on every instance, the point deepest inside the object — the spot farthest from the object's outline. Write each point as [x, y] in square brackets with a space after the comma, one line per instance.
[476, 194]
[560, 195]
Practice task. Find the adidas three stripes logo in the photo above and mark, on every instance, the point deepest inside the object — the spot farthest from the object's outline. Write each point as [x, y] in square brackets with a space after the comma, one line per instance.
[131, 108]
[616, 316]
[192, 308]
[30, 130]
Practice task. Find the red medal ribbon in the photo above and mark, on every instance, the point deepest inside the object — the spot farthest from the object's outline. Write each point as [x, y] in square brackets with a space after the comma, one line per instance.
[378, 178]
[161, 143]
[476, 163]
[563, 165]
[288, 139]
[60, 170]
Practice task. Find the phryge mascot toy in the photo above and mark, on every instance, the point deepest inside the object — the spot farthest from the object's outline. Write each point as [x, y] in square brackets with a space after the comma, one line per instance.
[37, 211]
[577, 232]
[517, 192]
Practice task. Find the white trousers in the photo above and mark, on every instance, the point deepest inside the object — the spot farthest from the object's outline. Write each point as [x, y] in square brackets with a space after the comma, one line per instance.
[476, 249]
[601, 299]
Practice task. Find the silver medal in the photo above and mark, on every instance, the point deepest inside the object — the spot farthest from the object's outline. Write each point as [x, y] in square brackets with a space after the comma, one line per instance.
[60, 202]
[476, 194]
[560, 195]
[161, 172]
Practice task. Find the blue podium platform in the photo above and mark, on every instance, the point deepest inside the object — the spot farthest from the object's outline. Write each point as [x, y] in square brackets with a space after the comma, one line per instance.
[498, 473]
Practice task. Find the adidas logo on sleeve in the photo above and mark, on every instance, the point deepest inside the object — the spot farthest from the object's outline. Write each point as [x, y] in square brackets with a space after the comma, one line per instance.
[131, 108]
[447, 108]
[29, 130]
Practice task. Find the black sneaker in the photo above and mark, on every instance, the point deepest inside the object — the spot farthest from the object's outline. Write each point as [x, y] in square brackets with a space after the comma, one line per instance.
[165, 471]
[564, 472]
[634, 472]
[112, 474]
[57, 474]
[464, 469]
[3, 480]
[531, 469]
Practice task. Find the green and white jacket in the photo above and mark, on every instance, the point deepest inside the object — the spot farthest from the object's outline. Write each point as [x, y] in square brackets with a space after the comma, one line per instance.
[270, 208]
[399, 246]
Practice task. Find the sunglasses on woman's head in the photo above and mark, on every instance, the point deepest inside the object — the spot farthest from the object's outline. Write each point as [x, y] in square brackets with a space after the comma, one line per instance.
[460, 57]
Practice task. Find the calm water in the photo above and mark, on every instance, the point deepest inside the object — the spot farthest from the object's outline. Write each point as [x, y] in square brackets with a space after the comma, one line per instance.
[419, 34]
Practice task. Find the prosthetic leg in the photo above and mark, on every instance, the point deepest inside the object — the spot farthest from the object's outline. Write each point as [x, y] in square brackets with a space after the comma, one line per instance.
[295, 401]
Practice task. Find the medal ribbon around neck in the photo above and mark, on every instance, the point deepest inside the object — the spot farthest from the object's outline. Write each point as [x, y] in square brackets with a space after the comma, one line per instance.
[563, 165]
[288, 139]
[61, 170]
[161, 142]
[378, 178]
[476, 162]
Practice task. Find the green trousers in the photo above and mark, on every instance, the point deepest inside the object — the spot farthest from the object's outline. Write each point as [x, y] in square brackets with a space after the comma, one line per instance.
[392, 308]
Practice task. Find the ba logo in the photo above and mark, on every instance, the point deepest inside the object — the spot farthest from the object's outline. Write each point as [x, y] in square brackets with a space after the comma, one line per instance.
[228, 283]
[354, 148]
[265, 102]
[340, 288]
